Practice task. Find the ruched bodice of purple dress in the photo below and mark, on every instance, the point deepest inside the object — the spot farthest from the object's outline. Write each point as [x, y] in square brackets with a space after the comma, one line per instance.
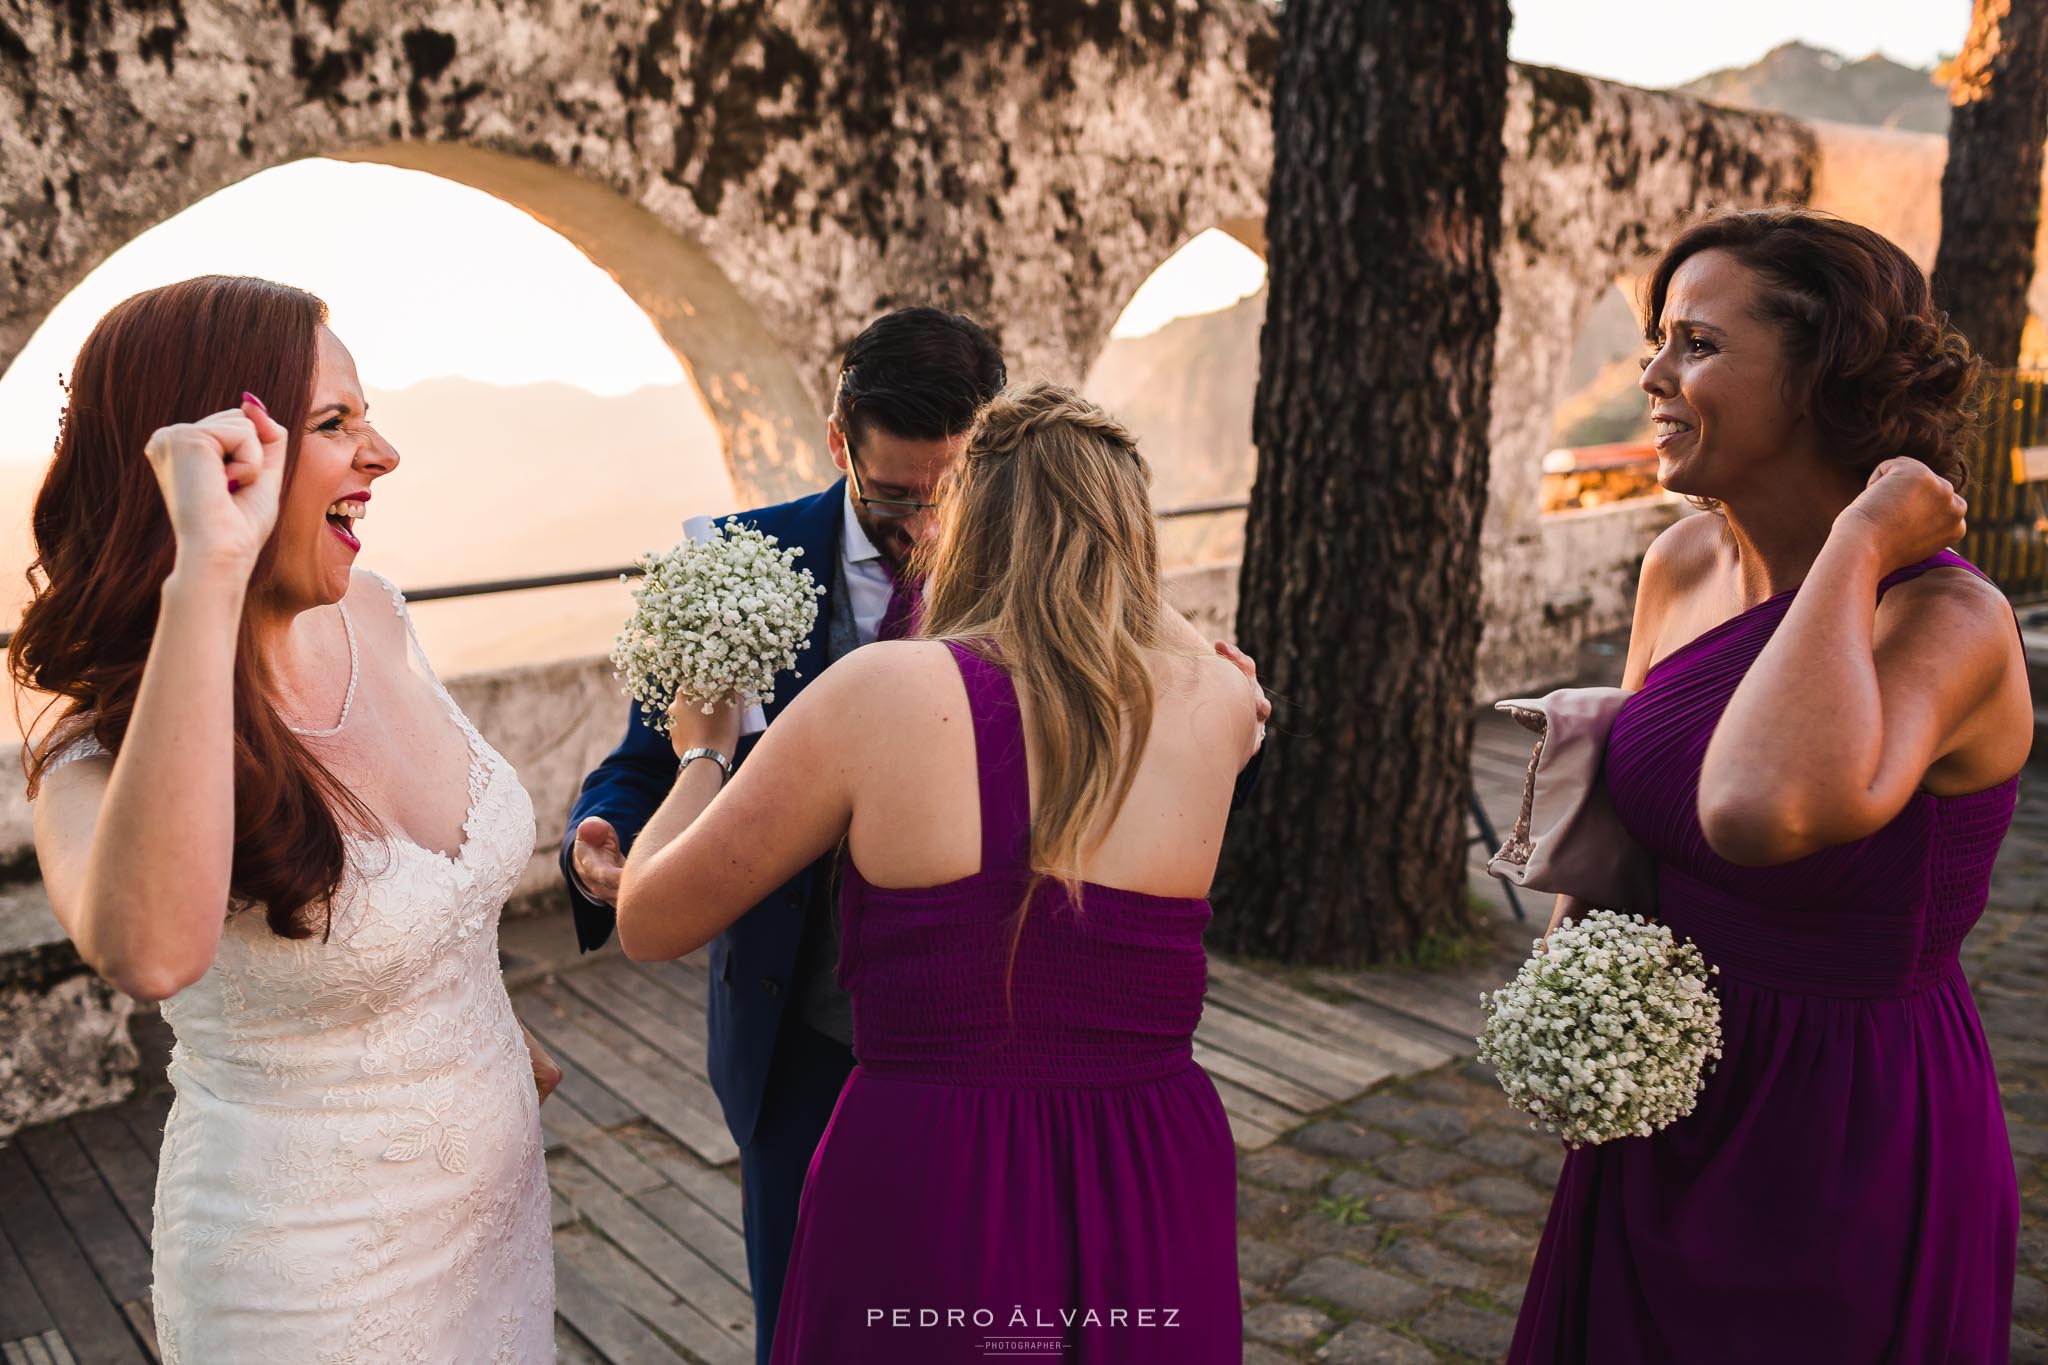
[1031, 1167]
[1844, 1191]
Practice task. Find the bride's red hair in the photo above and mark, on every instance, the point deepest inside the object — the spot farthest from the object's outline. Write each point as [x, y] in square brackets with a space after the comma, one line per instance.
[104, 546]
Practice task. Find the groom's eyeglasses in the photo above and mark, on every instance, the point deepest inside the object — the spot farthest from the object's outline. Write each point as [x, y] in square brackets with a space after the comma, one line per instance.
[887, 509]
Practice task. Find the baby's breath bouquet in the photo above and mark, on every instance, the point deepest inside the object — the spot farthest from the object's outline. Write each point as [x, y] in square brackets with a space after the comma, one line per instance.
[1608, 1033]
[715, 618]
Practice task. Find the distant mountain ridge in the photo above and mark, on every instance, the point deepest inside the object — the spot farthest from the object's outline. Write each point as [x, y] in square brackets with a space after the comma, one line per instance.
[1812, 83]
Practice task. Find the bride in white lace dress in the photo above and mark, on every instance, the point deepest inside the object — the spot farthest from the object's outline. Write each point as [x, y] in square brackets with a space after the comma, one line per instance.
[298, 843]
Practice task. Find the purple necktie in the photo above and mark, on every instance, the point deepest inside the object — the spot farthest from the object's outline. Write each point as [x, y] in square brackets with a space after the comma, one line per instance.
[899, 621]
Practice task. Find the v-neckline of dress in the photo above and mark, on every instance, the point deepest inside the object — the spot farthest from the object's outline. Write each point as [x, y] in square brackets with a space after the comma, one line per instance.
[476, 779]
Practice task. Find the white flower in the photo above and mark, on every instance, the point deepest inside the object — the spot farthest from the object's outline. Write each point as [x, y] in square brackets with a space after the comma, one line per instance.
[714, 619]
[1609, 1033]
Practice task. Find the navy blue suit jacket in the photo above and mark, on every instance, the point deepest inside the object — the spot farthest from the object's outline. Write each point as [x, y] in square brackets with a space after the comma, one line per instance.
[754, 961]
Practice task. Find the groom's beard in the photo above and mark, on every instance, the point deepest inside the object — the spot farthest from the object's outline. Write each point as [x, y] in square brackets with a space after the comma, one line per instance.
[892, 538]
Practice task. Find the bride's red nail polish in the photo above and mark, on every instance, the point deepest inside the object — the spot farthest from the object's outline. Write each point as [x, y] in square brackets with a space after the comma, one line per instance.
[234, 484]
[248, 397]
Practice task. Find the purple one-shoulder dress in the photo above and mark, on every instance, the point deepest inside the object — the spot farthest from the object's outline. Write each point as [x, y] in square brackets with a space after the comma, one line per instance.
[1845, 1190]
[1053, 1184]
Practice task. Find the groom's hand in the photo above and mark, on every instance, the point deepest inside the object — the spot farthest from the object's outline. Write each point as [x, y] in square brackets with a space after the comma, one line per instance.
[598, 859]
[1262, 705]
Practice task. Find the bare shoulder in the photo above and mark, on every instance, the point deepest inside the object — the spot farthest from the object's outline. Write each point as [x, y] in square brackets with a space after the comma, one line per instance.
[1949, 608]
[1685, 554]
[890, 680]
[80, 764]
[67, 804]
[374, 600]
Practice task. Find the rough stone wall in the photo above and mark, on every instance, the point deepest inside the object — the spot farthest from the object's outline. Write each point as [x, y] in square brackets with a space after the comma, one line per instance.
[64, 1042]
[1598, 177]
[1030, 161]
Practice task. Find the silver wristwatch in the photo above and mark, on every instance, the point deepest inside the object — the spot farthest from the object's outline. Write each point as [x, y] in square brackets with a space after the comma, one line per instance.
[692, 755]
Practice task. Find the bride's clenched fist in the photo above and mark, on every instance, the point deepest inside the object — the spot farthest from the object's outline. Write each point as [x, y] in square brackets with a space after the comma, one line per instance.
[220, 477]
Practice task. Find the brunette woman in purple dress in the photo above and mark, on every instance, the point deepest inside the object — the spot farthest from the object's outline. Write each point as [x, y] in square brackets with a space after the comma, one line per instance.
[1031, 798]
[1830, 715]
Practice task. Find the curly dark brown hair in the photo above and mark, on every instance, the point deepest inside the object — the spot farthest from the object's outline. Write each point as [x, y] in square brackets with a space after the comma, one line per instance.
[1882, 372]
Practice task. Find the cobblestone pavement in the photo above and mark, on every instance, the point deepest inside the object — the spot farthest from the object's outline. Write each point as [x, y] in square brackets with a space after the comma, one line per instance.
[1399, 1228]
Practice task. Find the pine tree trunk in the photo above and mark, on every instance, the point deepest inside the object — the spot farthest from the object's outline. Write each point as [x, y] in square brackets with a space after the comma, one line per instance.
[1360, 588]
[1991, 189]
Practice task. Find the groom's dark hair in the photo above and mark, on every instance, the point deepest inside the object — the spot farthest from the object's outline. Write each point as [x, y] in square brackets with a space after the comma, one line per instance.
[920, 374]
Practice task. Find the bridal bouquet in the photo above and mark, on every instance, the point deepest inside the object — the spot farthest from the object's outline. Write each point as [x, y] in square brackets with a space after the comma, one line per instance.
[1608, 1033]
[715, 618]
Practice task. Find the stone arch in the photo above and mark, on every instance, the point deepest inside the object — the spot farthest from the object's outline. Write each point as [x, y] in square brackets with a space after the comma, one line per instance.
[767, 419]
[831, 163]
[1186, 391]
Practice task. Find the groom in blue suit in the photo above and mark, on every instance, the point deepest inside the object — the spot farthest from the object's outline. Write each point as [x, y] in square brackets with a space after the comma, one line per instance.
[781, 1029]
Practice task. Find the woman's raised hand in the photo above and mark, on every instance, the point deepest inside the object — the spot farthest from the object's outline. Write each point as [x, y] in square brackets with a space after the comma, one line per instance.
[220, 478]
[1906, 512]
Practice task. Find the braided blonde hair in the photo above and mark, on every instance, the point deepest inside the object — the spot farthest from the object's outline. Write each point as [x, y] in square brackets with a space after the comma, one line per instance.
[1047, 550]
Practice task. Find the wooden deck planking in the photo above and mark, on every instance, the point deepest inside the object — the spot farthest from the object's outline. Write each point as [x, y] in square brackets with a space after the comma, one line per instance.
[141, 1316]
[1456, 1017]
[677, 1265]
[623, 1281]
[1256, 1078]
[145, 1116]
[598, 1149]
[1332, 1076]
[704, 1184]
[124, 1163]
[571, 1348]
[605, 1109]
[22, 1310]
[678, 995]
[689, 977]
[1495, 777]
[100, 1229]
[623, 1003]
[679, 1103]
[1246, 1135]
[1319, 1021]
[78, 1302]
[47, 1349]
[1253, 1105]
[698, 1228]
[618, 1337]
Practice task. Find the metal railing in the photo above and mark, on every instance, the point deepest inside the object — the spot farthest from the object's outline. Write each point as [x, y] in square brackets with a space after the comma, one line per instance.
[493, 586]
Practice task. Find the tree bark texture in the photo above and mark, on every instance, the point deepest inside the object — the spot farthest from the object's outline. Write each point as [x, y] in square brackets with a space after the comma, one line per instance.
[1360, 593]
[1991, 188]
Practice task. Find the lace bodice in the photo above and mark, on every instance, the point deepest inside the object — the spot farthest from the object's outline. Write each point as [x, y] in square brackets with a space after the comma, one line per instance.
[352, 1169]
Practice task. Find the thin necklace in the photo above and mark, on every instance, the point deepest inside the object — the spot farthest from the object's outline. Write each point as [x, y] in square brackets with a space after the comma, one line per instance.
[347, 698]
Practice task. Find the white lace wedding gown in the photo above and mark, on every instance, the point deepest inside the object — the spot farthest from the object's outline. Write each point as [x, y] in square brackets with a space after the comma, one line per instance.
[351, 1171]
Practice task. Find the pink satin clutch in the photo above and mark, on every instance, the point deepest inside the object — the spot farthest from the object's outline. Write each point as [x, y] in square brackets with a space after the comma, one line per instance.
[1567, 838]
